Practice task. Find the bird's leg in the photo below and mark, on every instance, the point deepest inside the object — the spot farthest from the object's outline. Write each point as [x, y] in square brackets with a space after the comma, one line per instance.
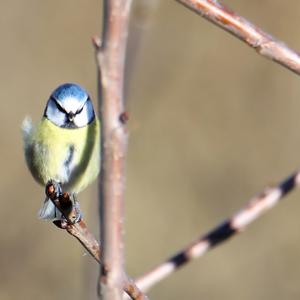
[66, 206]
[70, 208]
[53, 190]
[76, 208]
[65, 202]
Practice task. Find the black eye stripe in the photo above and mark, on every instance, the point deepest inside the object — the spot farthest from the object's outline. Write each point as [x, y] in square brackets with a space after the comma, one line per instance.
[69, 120]
[59, 107]
[81, 108]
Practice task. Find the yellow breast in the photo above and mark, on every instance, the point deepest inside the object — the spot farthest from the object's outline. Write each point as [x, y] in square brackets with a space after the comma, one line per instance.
[69, 156]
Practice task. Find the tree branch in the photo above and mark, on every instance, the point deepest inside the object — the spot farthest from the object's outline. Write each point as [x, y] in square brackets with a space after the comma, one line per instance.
[81, 232]
[88, 241]
[241, 28]
[221, 233]
[110, 54]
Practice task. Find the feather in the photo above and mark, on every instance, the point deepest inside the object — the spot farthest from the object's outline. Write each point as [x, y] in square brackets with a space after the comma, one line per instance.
[49, 211]
[27, 128]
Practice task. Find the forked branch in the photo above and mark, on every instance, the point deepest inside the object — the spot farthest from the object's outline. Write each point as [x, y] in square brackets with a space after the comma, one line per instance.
[81, 232]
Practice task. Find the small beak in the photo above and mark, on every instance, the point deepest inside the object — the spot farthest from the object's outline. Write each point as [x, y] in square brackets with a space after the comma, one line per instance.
[71, 117]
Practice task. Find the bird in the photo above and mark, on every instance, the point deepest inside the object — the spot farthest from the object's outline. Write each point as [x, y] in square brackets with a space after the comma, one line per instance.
[64, 146]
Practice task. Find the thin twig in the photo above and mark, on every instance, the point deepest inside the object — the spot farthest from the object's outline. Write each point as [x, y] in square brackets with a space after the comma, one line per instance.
[110, 54]
[79, 229]
[268, 47]
[88, 241]
[81, 232]
[237, 223]
[241, 28]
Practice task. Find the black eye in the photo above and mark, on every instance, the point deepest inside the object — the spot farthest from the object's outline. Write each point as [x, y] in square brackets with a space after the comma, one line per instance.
[78, 111]
[59, 107]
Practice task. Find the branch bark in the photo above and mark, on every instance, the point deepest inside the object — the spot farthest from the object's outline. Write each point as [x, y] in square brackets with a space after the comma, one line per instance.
[262, 42]
[221, 233]
[88, 241]
[110, 54]
[81, 232]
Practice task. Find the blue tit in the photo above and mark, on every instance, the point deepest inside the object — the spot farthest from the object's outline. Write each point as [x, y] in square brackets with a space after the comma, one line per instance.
[64, 145]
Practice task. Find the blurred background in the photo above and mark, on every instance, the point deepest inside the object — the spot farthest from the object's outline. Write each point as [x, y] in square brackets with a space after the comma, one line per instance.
[211, 124]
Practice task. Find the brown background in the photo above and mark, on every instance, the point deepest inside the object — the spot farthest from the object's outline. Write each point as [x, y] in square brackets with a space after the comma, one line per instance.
[211, 124]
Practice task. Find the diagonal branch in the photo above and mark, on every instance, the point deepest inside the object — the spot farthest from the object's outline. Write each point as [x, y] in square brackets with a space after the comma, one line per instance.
[241, 28]
[88, 241]
[81, 232]
[221, 233]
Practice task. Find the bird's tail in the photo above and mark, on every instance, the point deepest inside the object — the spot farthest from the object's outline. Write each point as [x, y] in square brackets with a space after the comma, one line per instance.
[27, 128]
[49, 211]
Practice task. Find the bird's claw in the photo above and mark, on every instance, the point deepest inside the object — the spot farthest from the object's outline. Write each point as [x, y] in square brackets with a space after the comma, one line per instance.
[76, 214]
[53, 189]
[69, 206]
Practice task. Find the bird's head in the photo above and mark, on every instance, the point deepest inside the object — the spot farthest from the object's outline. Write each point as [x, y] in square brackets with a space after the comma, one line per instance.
[69, 106]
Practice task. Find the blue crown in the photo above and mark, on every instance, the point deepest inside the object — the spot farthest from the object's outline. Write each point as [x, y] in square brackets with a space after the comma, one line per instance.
[70, 90]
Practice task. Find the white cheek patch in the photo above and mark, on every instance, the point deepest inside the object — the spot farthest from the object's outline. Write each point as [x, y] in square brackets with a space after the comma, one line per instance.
[54, 115]
[81, 119]
[57, 112]
[85, 116]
